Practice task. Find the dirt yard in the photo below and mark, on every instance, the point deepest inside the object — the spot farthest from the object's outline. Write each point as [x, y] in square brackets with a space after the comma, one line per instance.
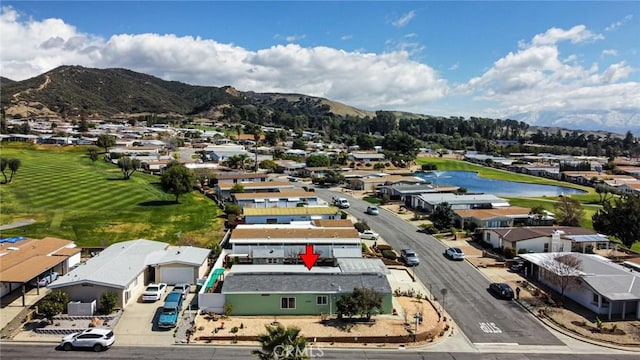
[313, 326]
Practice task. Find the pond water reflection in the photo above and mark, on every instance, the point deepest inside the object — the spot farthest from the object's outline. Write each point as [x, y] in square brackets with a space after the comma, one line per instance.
[473, 183]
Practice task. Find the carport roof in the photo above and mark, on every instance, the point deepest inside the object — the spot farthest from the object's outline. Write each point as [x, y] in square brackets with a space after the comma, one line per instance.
[30, 268]
[28, 258]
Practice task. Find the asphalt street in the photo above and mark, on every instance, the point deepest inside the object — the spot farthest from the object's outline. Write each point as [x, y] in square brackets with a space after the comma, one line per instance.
[36, 351]
[483, 318]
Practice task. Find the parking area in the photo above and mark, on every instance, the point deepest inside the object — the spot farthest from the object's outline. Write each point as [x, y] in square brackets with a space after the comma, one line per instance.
[138, 324]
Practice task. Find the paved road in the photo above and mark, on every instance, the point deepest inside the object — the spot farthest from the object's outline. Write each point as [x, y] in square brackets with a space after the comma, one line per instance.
[49, 351]
[483, 318]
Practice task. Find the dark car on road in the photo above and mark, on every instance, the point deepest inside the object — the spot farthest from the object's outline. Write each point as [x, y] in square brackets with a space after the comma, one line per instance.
[501, 290]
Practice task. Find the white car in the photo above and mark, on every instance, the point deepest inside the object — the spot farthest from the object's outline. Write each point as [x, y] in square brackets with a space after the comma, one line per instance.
[97, 339]
[372, 210]
[369, 235]
[454, 253]
[184, 289]
[154, 292]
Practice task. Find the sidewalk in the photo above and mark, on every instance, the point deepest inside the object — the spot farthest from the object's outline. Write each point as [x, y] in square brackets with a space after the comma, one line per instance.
[12, 312]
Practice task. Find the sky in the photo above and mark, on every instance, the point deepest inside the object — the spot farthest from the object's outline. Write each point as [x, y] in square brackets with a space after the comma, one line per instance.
[453, 58]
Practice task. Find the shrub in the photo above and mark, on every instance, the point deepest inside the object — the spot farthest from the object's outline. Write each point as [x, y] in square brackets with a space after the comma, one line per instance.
[389, 254]
[384, 247]
[50, 308]
[509, 253]
[523, 251]
[428, 167]
[361, 226]
[232, 209]
[108, 301]
[428, 228]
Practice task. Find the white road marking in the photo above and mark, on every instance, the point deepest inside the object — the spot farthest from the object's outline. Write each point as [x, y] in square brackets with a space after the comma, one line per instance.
[490, 328]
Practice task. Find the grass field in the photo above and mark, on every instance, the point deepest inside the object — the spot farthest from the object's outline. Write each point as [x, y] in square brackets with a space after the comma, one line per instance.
[73, 198]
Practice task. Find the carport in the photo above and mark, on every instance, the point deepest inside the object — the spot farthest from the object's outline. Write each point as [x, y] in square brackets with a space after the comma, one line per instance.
[28, 269]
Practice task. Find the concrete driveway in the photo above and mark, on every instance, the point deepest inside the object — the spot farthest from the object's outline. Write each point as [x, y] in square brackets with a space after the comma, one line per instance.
[137, 326]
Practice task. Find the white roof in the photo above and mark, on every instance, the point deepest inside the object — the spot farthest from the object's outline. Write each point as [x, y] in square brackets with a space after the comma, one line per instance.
[452, 199]
[116, 266]
[187, 255]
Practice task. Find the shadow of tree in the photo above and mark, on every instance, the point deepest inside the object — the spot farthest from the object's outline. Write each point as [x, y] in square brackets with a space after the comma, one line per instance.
[159, 203]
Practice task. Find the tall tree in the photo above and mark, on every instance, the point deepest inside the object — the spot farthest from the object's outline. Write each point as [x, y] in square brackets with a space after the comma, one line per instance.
[318, 160]
[93, 153]
[105, 141]
[569, 211]
[4, 162]
[443, 216]
[621, 219]
[128, 166]
[14, 165]
[281, 343]
[177, 179]
[562, 270]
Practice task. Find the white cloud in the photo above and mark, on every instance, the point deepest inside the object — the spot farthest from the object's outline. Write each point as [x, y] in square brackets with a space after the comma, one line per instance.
[609, 52]
[366, 80]
[619, 23]
[346, 37]
[576, 34]
[454, 66]
[536, 78]
[404, 20]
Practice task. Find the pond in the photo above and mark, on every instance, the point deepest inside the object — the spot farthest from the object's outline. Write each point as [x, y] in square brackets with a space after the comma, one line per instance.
[476, 184]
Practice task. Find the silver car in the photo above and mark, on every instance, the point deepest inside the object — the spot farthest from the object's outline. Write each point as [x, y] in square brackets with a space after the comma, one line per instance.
[409, 257]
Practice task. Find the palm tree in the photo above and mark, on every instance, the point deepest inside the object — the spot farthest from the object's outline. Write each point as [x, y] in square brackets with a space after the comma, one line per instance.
[281, 343]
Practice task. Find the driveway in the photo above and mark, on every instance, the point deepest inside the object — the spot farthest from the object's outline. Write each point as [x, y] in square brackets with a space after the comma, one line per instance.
[138, 325]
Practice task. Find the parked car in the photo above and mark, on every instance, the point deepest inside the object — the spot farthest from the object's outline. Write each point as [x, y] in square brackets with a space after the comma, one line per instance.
[184, 289]
[454, 253]
[341, 202]
[502, 290]
[154, 292]
[171, 310]
[372, 210]
[44, 280]
[369, 235]
[409, 257]
[97, 339]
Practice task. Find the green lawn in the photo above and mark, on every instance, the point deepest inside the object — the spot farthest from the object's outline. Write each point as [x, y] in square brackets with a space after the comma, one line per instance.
[72, 198]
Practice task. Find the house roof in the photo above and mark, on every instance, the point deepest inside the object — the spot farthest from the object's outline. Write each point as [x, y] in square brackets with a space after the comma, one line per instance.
[284, 193]
[603, 275]
[27, 258]
[256, 185]
[287, 283]
[305, 210]
[453, 199]
[116, 266]
[237, 175]
[482, 214]
[532, 232]
[333, 223]
[294, 233]
[187, 255]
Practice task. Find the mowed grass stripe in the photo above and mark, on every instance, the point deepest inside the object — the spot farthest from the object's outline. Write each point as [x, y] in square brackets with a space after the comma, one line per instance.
[73, 198]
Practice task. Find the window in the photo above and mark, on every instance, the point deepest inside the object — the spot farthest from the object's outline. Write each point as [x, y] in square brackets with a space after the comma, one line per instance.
[272, 221]
[322, 300]
[288, 303]
[546, 247]
[272, 261]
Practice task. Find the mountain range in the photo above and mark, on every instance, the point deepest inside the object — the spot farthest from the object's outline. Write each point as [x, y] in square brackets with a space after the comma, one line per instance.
[74, 90]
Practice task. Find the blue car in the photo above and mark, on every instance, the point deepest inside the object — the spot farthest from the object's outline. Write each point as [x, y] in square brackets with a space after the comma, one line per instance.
[171, 310]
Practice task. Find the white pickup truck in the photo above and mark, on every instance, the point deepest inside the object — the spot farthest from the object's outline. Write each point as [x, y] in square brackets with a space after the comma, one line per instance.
[341, 202]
